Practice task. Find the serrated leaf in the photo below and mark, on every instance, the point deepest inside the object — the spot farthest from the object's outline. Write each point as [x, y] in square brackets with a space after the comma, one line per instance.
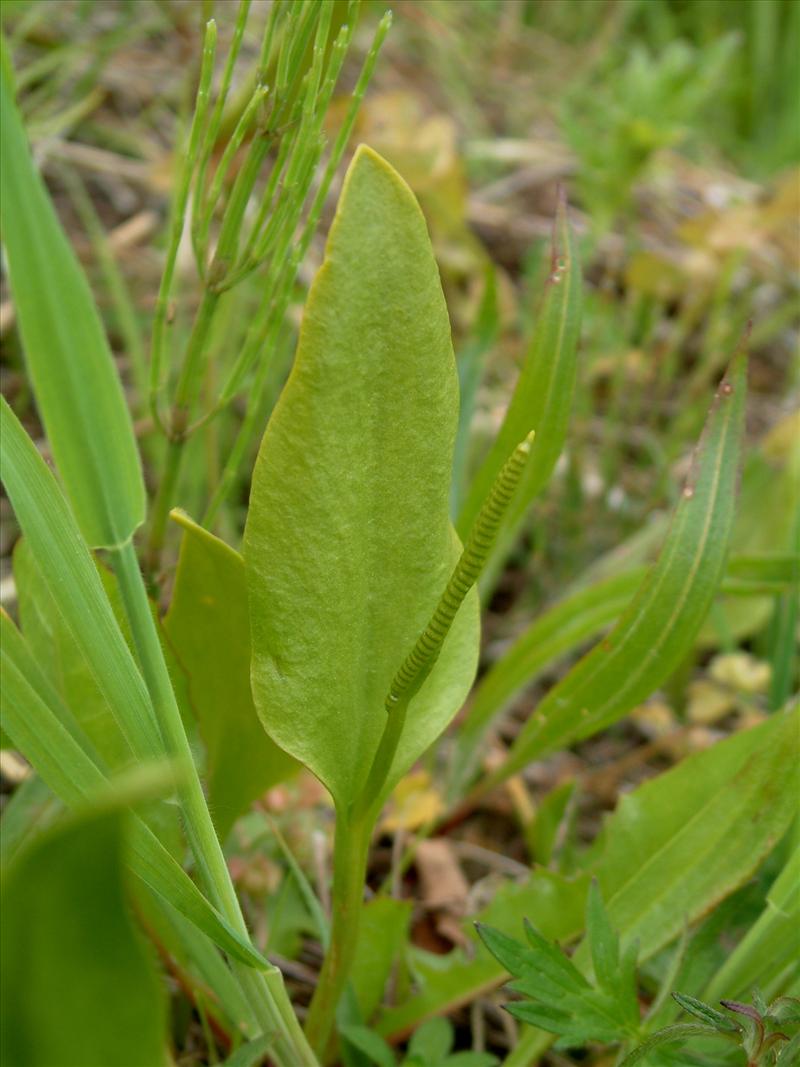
[663, 619]
[561, 999]
[208, 627]
[348, 545]
[542, 399]
[57, 975]
[78, 392]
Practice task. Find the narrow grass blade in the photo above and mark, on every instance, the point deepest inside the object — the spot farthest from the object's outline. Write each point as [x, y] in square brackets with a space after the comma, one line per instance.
[59, 659]
[72, 579]
[660, 625]
[73, 774]
[542, 399]
[566, 625]
[562, 628]
[77, 388]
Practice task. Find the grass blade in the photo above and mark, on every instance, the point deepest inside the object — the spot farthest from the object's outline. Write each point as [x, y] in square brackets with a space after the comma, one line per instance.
[72, 579]
[660, 625]
[571, 621]
[542, 399]
[34, 719]
[77, 388]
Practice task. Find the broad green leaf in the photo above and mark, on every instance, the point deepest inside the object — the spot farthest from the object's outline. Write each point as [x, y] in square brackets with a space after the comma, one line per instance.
[348, 545]
[73, 772]
[662, 621]
[682, 842]
[671, 851]
[208, 627]
[79, 985]
[542, 399]
[74, 584]
[78, 392]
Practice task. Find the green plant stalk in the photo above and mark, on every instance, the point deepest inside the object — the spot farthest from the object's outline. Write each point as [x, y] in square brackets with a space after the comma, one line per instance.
[178, 214]
[247, 119]
[196, 349]
[351, 847]
[199, 827]
[211, 133]
[165, 494]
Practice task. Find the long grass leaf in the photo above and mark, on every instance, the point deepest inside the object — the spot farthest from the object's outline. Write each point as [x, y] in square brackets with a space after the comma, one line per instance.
[661, 623]
[72, 579]
[73, 774]
[542, 399]
[78, 391]
[568, 623]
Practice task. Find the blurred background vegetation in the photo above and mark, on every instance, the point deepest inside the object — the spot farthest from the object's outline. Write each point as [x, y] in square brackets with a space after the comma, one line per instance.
[674, 126]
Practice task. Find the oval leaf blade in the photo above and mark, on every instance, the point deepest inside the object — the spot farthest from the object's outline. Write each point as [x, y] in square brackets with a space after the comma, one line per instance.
[348, 544]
